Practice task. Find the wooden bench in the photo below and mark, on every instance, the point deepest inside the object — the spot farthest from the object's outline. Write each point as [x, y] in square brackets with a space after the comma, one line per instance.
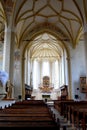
[29, 124]
[24, 114]
[74, 111]
[78, 115]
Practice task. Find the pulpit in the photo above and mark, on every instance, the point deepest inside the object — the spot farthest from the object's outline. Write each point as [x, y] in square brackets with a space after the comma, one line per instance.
[64, 92]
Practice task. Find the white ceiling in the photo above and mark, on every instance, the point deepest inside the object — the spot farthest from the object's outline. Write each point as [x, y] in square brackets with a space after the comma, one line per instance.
[68, 17]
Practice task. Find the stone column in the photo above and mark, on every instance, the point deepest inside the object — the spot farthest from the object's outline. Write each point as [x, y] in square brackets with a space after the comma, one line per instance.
[31, 73]
[26, 68]
[8, 50]
[50, 65]
[85, 39]
[69, 75]
[22, 77]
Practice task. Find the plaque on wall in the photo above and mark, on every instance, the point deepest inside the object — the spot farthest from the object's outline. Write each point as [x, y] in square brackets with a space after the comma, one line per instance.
[83, 84]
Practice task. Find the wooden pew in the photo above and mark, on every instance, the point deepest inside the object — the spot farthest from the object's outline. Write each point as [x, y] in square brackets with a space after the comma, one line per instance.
[61, 105]
[74, 111]
[79, 116]
[29, 124]
[24, 119]
[73, 107]
[24, 114]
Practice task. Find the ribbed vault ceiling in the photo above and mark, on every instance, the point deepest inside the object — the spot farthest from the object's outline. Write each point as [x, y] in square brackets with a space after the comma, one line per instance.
[67, 16]
[45, 47]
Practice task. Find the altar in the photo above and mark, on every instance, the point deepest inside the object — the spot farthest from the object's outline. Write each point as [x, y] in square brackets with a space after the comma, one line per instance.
[46, 86]
[46, 96]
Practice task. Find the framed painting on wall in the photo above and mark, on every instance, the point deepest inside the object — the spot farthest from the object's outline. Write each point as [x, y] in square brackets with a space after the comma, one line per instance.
[83, 84]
